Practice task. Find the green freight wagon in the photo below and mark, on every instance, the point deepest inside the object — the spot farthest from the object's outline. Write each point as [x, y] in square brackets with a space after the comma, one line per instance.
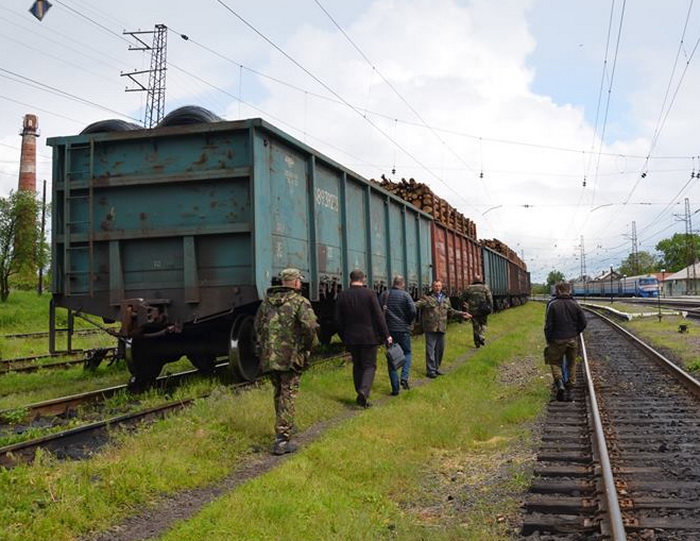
[177, 231]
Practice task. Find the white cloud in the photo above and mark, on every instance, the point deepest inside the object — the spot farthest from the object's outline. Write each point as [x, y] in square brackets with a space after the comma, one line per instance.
[509, 88]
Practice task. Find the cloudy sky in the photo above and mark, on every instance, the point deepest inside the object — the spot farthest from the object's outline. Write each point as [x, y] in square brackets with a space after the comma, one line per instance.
[563, 128]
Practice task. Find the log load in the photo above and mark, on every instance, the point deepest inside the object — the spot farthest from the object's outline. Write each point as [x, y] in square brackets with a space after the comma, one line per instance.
[422, 197]
[503, 249]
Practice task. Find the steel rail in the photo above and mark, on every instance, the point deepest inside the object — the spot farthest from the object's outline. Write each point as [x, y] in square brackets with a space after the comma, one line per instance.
[62, 405]
[614, 513]
[689, 381]
[24, 452]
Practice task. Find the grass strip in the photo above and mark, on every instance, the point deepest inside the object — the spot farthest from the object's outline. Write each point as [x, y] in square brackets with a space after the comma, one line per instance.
[384, 473]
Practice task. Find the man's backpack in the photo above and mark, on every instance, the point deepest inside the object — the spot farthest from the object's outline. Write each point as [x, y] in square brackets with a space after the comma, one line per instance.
[484, 307]
[479, 302]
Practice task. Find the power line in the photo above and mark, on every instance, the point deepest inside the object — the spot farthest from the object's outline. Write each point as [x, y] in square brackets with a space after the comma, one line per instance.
[332, 91]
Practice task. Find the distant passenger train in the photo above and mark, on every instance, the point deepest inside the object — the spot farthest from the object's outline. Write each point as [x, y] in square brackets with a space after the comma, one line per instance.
[643, 285]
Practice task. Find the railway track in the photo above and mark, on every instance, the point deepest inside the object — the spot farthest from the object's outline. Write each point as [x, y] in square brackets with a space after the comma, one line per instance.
[81, 441]
[45, 334]
[621, 460]
[89, 358]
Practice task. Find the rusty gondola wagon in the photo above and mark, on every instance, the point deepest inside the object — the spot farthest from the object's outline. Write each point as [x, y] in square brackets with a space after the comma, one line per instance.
[177, 231]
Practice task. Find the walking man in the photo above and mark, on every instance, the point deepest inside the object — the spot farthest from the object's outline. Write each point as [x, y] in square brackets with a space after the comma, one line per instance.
[564, 322]
[286, 327]
[362, 328]
[435, 311]
[478, 301]
[399, 311]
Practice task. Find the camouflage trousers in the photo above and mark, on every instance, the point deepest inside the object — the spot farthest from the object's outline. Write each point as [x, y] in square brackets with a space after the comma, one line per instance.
[286, 384]
[479, 329]
[559, 351]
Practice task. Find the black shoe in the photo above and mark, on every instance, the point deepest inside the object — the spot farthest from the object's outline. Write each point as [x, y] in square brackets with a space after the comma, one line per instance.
[568, 397]
[561, 390]
[405, 385]
[361, 400]
[367, 405]
[431, 375]
[282, 447]
[439, 373]
[394, 393]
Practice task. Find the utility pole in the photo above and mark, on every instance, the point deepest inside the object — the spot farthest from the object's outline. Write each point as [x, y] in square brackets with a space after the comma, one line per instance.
[690, 250]
[155, 100]
[635, 249]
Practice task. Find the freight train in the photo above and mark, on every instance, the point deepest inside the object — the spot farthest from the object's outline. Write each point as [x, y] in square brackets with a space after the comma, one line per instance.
[176, 232]
[643, 285]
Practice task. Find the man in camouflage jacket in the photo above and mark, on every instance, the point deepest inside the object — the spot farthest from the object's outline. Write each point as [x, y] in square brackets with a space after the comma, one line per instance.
[286, 326]
[435, 311]
[478, 301]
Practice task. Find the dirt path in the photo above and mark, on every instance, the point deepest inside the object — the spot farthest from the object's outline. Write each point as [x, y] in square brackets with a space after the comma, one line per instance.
[157, 520]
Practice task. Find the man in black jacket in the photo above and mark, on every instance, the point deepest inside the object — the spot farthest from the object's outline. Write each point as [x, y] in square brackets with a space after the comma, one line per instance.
[362, 328]
[400, 311]
[564, 322]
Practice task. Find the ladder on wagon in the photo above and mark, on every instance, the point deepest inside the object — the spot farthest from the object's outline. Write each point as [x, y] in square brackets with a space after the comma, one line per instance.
[76, 271]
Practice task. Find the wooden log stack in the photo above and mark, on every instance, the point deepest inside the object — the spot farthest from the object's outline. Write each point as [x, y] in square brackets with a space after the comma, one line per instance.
[422, 197]
[500, 247]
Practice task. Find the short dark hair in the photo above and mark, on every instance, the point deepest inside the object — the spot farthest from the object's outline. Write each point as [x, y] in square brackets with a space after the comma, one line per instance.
[563, 288]
[356, 275]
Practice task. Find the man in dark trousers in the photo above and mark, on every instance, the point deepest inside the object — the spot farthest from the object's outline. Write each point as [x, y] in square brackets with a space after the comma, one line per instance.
[362, 328]
[399, 311]
[436, 309]
[286, 326]
[564, 322]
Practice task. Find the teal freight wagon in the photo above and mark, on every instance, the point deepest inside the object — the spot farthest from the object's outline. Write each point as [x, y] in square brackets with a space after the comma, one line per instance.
[177, 231]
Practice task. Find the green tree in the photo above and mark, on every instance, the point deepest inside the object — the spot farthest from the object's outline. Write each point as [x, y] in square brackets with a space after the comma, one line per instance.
[675, 251]
[554, 277]
[16, 256]
[642, 264]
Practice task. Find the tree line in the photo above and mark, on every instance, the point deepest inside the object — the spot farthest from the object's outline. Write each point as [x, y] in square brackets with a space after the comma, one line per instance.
[24, 252]
[675, 254]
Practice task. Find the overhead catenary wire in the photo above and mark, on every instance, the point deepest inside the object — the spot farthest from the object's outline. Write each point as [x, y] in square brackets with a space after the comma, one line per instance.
[348, 104]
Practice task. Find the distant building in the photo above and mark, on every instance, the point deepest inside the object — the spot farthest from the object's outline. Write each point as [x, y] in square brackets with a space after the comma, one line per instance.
[683, 282]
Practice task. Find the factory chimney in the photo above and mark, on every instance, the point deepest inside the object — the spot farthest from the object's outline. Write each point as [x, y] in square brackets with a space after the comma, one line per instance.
[26, 239]
[27, 164]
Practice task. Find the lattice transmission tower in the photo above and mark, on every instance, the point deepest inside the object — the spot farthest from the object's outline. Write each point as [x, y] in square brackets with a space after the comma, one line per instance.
[155, 98]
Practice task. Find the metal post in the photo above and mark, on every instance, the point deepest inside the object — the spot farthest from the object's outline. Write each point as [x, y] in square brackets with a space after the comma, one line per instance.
[658, 293]
[611, 284]
[40, 244]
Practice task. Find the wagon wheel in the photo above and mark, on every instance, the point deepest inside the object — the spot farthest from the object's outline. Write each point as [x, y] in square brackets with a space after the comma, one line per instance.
[243, 359]
[204, 362]
[143, 363]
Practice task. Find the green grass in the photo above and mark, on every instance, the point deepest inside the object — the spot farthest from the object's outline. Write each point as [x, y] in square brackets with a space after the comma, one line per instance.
[664, 336]
[27, 312]
[384, 473]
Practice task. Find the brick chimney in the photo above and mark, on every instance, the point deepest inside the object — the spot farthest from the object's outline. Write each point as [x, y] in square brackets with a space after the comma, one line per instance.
[27, 164]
